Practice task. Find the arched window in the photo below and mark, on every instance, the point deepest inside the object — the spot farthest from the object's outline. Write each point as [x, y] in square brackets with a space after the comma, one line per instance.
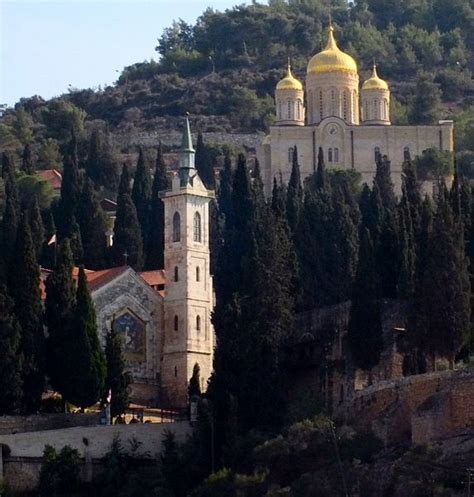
[198, 273]
[366, 111]
[279, 110]
[197, 227]
[298, 109]
[176, 323]
[333, 102]
[198, 323]
[176, 273]
[290, 155]
[330, 155]
[406, 154]
[376, 110]
[176, 227]
[289, 110]
[376, 153]
[175, 372]
[336, 155]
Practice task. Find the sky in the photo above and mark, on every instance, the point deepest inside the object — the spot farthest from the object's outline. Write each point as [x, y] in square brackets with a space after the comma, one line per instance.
[48, 46]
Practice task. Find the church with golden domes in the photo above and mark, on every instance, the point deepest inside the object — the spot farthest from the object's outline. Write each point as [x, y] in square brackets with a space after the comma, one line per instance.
[349, 122]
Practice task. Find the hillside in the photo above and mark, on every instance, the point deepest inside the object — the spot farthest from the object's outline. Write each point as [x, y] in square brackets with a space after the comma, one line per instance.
[224, 68]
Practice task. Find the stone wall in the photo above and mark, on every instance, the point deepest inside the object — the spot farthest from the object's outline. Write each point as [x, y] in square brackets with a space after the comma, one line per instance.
[23, 452]
[41, 422]
[420, 408]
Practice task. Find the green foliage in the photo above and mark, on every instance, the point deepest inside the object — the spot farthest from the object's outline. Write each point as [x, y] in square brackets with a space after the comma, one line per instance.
[141, 193]
[127, 232]
[30, 187]
[24, 283]
[11, 360]
[49, 156]
[156, 229]
[86, 367]
[101, 164]
[118, 379]
[434, 164]
[60, 471]
[62, 118]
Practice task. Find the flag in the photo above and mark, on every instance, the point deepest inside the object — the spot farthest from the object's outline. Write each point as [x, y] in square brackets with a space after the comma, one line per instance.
[52, 240]
[109, 396]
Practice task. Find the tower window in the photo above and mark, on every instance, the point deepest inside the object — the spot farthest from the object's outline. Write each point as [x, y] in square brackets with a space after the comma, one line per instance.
[198, 323]
[176, 323]
[330, 155]
[298, 109]
[289, 110]
[176, 227]
[344, 105]
[333, 102]
[376, 153]
[336, 155]
[279, 110]
[176, 273]
[197, 227]
[198, 273]
[321, 113]
[290, 155]
[175, 372]
[406, 154]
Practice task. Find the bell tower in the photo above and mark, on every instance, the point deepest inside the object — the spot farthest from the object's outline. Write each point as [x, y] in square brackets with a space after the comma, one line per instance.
[188, 301]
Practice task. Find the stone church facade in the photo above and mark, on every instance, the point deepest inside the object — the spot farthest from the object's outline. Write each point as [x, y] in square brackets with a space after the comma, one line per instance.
[350, 124]
[164, 316]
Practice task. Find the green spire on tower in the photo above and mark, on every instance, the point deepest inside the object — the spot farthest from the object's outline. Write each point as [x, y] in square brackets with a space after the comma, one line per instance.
[186, 155]
[187, 140]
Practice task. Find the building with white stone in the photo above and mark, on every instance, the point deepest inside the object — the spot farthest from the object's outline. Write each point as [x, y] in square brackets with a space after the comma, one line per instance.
[349, 122]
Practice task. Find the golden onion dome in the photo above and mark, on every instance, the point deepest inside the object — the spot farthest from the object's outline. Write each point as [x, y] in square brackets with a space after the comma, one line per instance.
[374, 82]
[332, 59]
[289, 82]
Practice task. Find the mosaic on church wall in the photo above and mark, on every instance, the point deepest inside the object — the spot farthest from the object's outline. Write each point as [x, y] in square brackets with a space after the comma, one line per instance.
[133, 332]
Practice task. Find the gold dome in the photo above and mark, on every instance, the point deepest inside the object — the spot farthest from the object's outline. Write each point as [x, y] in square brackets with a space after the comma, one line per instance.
[374, 82]
[289, 82]
[332, 59]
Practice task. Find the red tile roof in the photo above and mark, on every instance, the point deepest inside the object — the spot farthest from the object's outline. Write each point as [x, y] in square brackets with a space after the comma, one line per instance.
[154, 278]
[52, 176]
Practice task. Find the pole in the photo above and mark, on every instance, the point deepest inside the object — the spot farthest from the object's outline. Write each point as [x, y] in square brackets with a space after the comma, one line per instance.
[339, 462]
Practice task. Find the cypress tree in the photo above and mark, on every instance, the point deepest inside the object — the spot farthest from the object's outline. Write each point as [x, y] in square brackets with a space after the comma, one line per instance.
[194, 387]
[59, 315]
[294, 199]
[279, 196]
[86, 368]
[67, 207]
[117, 379]
[406, 272]
[204, 163]
[11, 360]
[320, 178]
[141, 193]
[384, 182]
[224, 195]
[388, 256]
[36, 227]
[8, 165]
[411, 195]
[25, 290]
[127, 231]
[443, 300]
[92, 227]
[156, 223]
[101, 167]
[10, 221]
[365, 325]
[27, 165]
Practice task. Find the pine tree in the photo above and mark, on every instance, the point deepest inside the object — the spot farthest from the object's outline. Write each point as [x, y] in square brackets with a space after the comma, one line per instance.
[365, 326]
[86, 368]
[118, 379]
[59, 315]
[141, 193]
[27, 165]
[194, 387]
[36, 227]
[25, 290]
[156, 224]
[92, 226]
[204, 163]
[294, 199]
[425, 106]
[11, 360]
[127, 231]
